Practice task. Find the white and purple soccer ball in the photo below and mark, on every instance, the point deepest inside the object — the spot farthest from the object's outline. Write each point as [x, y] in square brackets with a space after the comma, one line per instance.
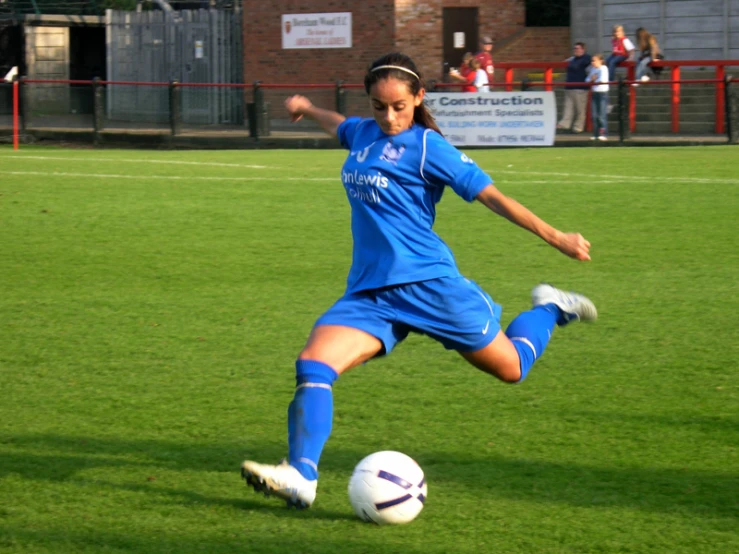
[387, 488]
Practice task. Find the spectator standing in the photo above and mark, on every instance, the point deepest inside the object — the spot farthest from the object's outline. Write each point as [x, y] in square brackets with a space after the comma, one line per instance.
[485, 56]
[622, 49]
[648, 51]
[598, 75]
[576, 92]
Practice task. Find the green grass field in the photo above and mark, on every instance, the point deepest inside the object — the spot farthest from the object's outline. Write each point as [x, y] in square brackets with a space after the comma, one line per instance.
[152, 305]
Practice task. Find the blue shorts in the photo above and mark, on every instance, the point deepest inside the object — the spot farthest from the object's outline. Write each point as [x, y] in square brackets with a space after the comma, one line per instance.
[452, 310]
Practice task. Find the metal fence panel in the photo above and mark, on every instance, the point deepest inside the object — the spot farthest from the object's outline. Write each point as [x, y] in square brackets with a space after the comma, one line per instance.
[189, 46]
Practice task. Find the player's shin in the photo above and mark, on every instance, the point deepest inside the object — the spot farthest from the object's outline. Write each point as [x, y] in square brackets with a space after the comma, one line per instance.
[310, 416]
[530, 333]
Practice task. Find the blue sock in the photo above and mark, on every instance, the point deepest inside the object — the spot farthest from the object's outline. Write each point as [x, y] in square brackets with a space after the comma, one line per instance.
[530, 333]
[309, 416]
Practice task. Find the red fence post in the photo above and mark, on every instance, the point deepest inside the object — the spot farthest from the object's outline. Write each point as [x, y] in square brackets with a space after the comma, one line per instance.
[675, 99]
[508, 79]
[720, 105]
[630, 75]
[548, 79]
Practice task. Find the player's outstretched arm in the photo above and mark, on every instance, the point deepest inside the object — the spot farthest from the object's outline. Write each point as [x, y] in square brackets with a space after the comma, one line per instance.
[573, 245]
[298, 106]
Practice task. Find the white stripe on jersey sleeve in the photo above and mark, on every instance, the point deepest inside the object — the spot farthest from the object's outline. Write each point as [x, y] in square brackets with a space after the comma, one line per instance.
[423, 155]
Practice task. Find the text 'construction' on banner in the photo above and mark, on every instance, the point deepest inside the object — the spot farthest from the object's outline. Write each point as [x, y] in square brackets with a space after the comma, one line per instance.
[495, 118]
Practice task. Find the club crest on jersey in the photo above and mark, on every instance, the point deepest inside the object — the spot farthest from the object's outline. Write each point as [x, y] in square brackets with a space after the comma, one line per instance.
[391, 153]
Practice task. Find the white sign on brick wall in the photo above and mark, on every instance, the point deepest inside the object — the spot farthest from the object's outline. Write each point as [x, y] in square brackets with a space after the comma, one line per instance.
[317, 30]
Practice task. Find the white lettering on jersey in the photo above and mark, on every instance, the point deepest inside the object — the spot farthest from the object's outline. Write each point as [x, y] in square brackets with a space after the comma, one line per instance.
[364, 179]
[361, 156]
[372, 195]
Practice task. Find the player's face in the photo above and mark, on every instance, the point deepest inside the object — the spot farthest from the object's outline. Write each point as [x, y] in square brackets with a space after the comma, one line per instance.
[393, 104]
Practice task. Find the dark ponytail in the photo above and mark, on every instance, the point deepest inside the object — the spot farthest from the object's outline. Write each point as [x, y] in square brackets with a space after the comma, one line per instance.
[409, 75]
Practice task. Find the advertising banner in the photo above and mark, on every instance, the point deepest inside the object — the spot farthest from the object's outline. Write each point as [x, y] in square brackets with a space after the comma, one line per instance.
[317, 30]
[495, 118]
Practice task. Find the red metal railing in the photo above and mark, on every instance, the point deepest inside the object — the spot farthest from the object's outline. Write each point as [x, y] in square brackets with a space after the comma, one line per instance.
[508, 84]
[675, 82]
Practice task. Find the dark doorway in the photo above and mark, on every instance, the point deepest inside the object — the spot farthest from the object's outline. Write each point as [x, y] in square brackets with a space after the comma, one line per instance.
[11, 55]
[11, 49]
[86, 53]
[86, 61]
[460, 35]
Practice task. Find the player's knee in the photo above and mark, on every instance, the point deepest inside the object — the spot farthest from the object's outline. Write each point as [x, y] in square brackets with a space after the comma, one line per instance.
[507, 367]
[510, 374]
[508, 371]
[305, 354]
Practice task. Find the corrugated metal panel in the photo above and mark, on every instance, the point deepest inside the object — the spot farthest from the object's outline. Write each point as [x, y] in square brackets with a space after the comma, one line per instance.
[190, 46]
[686, 29]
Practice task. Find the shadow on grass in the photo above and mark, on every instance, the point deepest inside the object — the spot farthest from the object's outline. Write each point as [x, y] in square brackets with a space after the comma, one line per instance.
[582, 485]
[100, 540]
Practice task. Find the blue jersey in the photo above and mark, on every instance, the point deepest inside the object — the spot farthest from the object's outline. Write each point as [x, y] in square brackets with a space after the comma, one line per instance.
[393, 184]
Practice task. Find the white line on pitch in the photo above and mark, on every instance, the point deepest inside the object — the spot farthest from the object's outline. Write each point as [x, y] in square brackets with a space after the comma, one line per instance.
[163, 177]
[620, 178]
[589, 177]
[214, 178]
[172, 162]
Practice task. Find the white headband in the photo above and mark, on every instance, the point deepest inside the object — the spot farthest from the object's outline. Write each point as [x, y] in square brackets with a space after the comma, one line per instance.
[396, 67]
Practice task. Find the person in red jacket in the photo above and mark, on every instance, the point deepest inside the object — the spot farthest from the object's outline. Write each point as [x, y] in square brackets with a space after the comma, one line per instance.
[485, 57]
[621, 50]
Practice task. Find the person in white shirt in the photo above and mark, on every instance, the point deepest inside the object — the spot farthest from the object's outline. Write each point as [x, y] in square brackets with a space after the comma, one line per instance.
[481, 82]
[598, 75]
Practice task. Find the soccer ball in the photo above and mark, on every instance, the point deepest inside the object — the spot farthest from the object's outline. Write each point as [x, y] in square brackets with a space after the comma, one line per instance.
[387, 488]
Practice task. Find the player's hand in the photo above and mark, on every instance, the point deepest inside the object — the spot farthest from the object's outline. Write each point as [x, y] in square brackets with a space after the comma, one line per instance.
[296, 106]
[575, 246]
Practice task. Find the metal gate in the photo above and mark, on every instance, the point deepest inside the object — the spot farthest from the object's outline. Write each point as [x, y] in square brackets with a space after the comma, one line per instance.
[190, 46]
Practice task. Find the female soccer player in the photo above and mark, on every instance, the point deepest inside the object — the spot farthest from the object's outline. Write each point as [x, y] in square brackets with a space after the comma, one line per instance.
[403, 276]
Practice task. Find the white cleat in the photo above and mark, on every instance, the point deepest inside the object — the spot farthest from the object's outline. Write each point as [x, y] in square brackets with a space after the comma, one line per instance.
[573, 306]
[282, 480]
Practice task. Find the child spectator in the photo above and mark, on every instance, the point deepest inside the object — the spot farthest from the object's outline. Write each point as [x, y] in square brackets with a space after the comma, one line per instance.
[481, 82]
[622, 49]
[465, 73]
[598, 75]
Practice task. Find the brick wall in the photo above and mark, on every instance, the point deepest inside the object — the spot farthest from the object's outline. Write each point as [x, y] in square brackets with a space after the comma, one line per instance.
[265, 60]
[419, 27]
[379, 26]
[535, 44]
